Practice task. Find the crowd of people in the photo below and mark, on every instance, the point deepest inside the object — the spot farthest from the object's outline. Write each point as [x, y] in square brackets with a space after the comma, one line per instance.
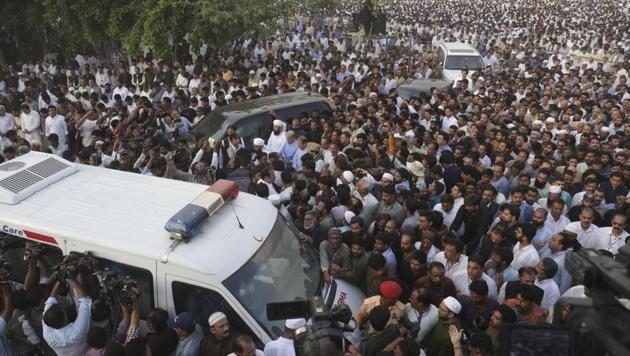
[454, 210]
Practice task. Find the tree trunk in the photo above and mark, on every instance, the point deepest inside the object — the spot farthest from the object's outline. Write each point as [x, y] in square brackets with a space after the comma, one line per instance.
[3, 63]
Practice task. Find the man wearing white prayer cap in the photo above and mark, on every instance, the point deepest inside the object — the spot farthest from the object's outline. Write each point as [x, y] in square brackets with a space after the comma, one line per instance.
[438, 343]
[277, 139]
[259, 145]
[283, 345]
[219, 341]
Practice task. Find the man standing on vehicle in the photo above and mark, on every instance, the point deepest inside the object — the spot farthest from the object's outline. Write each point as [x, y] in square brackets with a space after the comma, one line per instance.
[220, 341]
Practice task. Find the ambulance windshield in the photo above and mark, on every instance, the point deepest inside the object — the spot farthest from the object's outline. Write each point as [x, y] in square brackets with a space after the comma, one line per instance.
[283, 269]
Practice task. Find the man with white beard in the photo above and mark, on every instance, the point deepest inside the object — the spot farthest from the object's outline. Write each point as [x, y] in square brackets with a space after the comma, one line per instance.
[277, 139]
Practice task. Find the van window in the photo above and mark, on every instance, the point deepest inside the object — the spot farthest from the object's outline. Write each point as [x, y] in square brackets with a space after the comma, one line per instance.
[14, 255]
[249, 128]
[459, 62]
[202, 302]
[142, 276]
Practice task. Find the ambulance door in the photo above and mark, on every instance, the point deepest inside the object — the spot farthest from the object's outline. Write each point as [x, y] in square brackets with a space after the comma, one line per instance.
[202, 299]
[142, 270]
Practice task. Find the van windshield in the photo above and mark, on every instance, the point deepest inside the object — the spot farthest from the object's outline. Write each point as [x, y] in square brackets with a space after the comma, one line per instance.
[283, 269]
[459, 62]
[213, 125]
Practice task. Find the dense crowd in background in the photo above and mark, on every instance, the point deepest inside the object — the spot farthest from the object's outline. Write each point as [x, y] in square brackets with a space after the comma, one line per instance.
[453, 210]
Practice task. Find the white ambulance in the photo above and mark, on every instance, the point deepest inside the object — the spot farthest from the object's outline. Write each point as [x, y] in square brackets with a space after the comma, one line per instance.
[243, 255]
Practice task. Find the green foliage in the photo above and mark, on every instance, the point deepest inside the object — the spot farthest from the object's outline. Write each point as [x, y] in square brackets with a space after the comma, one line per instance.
[159, 24]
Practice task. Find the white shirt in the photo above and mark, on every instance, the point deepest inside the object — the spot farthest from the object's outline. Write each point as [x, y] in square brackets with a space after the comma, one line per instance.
[31, 122]
[71, 340]
[552, 292]
[87, 127]
[7, 122]
[276, 142]
[448, 216]
[587, 238]
[607, 241]
[448, 122]
[452, 269]
[123, 91]
[258, 353]
[524, 256]
[370, 205]
[57, 125]
[462, 281]
[280, 347]
[556, 226]
[427, 319]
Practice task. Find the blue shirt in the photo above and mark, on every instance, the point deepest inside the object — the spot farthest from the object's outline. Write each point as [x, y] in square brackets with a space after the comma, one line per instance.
[502, 185]
[297, 159]
[288, 151]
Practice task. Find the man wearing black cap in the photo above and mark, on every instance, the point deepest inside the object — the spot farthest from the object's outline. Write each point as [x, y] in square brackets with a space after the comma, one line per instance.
[190, 335]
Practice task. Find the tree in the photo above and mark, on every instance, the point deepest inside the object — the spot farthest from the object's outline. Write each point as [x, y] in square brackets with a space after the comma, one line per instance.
[29, 27]
[161, 24]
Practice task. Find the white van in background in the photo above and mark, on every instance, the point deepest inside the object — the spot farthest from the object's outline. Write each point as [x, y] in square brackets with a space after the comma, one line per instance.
[456, 56]
[240, 256]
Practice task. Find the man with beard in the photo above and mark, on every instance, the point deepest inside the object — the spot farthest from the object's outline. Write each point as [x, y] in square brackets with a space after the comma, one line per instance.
[543, 233]
[334, 255]
[219, 342]
[524, 252]
[277, 139]
[540, 182]
[436, 283]
[358, 263]
[312, 232]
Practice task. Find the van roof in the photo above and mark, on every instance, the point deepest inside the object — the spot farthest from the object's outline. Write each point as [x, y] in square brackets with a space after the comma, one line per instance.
[459, 49]
[235, 111]
[126, 212]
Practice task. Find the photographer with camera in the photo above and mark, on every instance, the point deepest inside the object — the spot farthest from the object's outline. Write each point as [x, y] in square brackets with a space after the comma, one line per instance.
[420, 314]
[63, 336]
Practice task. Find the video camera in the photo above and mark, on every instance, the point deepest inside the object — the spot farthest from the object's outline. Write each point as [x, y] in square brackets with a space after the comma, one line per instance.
[5, 270]
[598, 325]
[69, 266]
[324, 335]
[582, 326]
[115, 287]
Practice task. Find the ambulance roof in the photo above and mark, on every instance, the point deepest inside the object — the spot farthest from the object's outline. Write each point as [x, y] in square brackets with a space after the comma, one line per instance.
[126, 212]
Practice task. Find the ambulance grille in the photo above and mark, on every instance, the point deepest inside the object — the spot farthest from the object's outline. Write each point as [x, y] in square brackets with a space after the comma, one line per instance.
[27, 174]
[19, 181]
[12, 166]
[48, 167]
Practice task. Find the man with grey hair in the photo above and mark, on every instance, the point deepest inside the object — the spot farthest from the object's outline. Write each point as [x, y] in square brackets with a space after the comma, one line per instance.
[369, 201]
[334, 255]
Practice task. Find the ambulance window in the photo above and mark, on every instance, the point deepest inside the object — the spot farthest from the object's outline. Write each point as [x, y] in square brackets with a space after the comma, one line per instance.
[13, 249]
[202, 302]
[142, 276]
